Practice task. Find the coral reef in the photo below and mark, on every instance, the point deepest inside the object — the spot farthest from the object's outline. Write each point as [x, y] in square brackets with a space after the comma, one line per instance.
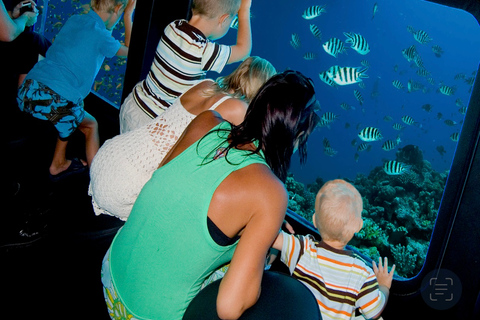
[399, 211]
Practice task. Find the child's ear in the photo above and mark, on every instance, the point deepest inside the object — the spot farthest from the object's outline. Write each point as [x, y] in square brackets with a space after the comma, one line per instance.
[223, 18]
[313, 220]
[118, 8]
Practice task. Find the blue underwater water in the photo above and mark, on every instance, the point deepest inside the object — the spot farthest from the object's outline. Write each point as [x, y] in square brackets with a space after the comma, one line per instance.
[399, 211]
[455, 31]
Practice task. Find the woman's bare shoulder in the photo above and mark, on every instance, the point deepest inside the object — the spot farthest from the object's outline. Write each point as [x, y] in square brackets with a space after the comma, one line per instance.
[233, 110]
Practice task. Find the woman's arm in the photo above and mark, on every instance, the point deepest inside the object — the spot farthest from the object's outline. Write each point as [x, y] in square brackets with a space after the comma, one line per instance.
[240, 288]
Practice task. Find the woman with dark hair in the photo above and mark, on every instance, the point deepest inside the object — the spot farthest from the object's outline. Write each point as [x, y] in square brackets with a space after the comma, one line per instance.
[225, 201]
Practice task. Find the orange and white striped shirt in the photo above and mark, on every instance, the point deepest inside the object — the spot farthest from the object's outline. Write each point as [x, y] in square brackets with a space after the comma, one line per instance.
[339, 279]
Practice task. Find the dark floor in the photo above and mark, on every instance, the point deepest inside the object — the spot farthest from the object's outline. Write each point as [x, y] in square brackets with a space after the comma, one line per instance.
[51, 243]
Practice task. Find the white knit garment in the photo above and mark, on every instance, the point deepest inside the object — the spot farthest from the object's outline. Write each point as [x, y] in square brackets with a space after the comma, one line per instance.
[126, 162]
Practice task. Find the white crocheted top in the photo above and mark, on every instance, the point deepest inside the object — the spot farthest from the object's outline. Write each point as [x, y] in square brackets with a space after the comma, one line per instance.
[126, 162]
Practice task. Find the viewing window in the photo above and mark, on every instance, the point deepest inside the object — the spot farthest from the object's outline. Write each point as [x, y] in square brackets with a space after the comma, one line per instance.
[414, 87]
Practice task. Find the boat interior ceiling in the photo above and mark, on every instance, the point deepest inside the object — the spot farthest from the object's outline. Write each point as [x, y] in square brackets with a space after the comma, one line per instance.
[452, 257]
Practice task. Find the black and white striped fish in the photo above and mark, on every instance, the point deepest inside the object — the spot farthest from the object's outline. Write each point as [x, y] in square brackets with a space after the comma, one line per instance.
[410, 53]
[450, 123]
[397, 84]
[463, 110]
[349, 75]
[358, 96]
[394, 168]
[410, 29]
[422, 37]
[316, 32]
[329, 117]
[326, 78]
[346, 106]
[391, 144]
[295, 42]
[454, 136]
[334, 46]
[446, 90]
[397, 126]
[437, 50]
[408, 120]
[364, 146]
[365, 63]
[358, 42]
[309, 55]
[422, 72]
[370, 134]
[313, 12]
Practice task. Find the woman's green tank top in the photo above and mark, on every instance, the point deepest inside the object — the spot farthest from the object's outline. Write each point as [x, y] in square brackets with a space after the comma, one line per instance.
[163, 253]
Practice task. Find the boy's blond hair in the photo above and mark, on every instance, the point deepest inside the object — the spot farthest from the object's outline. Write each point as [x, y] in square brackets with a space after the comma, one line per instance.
[215, 8]
[107, 5]
[338, 211]
[244, 82]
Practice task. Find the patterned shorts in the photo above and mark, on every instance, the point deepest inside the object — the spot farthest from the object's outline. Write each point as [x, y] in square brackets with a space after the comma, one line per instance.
[116, 309]
[43, 103]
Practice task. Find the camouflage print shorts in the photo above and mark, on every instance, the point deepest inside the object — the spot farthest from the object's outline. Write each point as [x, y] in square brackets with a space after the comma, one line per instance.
[43, 103]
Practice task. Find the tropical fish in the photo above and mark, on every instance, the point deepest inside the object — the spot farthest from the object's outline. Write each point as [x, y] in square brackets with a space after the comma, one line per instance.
[408, 120]
[346, 106]
[397, 126]
[459, 76]
[327, 149]
[459, 102]
[356, 157]
[295, 42]
[362, 85]
[437, 50]
[439, 116]
[349, 75]
[393, 167]
[446, 90]
[358, 96]
[316, 32]
[411, 54]
[313, 12]
[422, 37]
[397, 84]
[470, 81]
[431, 81]
[364, 146]
[410, 29]
[326, 78]
[427, 107]
[391, 144]
[358, 42]
[387, 118]
[370, 134]
[462, 110]
[454, 136]
[332, 71]
[309, 56]
[374, 10]
[422, 72]
[365, 63]
[450, 123]
[334, 46]
[414, 86]
[329, 117]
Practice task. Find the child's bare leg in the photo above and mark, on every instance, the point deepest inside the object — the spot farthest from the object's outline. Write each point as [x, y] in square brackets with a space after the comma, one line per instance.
[60, 162]
[89, 127]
